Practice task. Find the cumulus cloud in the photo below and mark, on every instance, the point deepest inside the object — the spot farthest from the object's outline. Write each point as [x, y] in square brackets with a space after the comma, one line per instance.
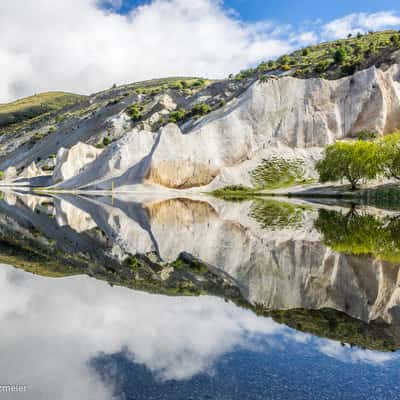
[84, 46]
[53, 328]
[79, 46]
[360, 22]
[354, 355]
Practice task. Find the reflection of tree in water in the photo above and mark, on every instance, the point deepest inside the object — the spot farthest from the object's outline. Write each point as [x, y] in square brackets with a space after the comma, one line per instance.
[277, 214]
[361, 233]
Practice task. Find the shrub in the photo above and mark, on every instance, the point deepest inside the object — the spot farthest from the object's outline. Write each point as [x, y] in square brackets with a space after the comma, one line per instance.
[340, 55]
[177, 115]
[106, 141]
[176, 86]
[366, 135]
[200, 109]
[322, 66]
[285, 59]
[1, 175]
[395, 40]
[198, 84]
[134, 112]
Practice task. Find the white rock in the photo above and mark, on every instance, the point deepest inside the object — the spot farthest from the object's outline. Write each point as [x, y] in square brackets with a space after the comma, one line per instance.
[10, 173]
[71, 162]
[167, 103]
[31, 171]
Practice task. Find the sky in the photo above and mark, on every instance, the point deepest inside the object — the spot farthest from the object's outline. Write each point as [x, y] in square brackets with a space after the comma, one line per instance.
[84, 46]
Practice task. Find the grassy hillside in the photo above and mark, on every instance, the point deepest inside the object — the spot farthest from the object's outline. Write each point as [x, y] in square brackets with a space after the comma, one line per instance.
[334, 59]
[34, 106]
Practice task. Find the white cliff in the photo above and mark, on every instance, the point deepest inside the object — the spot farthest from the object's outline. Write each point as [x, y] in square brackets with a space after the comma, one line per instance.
[286, 117]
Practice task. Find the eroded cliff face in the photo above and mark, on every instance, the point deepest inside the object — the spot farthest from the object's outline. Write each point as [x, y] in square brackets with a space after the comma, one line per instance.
[284, 117]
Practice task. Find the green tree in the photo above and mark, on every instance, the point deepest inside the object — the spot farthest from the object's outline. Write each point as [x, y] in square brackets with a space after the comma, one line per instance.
[340, 55]
[360, 233]
[350, 160]
[390, 152]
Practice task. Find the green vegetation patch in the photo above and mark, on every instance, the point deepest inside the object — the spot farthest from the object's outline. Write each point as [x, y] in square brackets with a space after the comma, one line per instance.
[338, 326]
[36, 260]
[235, 193]
[135, 112]
[277, 214]
[330, 60]
[278, 172]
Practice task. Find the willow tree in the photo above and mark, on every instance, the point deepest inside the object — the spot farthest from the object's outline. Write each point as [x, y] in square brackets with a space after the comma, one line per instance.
[353, 161]
[390, 148]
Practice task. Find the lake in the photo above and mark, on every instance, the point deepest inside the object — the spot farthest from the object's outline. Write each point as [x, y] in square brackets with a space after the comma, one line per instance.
[141, 297]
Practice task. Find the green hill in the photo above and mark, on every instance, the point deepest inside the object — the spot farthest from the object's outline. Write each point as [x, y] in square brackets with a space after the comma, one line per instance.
[333, 60]
[34, 106]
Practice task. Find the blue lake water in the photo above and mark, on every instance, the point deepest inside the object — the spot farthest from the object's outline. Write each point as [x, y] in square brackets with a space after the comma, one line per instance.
[196, 299]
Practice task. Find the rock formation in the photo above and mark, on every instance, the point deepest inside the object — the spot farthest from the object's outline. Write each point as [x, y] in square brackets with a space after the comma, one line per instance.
[286, 117]
[31, 171]
[10, 173]
[71, 162]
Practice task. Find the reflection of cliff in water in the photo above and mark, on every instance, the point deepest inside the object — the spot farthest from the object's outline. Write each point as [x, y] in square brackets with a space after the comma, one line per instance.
[280, 259]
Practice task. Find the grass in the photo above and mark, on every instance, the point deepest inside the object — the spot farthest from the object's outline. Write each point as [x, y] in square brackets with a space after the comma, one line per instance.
[236, 193]
[34, 106]
[155, 86]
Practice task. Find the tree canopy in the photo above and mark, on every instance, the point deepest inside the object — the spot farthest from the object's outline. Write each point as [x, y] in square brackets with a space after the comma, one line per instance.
[390, 148]
[353, 161]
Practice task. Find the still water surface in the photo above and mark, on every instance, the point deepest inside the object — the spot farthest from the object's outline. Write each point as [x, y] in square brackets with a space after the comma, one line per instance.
[144, 298]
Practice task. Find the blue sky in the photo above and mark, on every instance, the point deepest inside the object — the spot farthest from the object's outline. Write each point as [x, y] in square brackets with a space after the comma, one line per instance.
[85, 46]
[291, 11]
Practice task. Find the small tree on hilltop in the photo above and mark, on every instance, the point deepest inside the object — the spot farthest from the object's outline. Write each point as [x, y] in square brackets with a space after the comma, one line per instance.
[340, 55]
[351, 160]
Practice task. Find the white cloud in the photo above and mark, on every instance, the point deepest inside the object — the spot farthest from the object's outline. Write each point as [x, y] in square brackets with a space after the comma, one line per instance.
[50, 329]
[360, 22]
[75, 45]
[354, 355]
[79, 46]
